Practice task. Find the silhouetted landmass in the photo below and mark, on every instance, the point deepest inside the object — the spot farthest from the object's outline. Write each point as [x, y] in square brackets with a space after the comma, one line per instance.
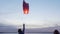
[33, 30]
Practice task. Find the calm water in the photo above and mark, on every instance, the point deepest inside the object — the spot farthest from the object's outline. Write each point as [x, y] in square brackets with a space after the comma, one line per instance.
[27, 33]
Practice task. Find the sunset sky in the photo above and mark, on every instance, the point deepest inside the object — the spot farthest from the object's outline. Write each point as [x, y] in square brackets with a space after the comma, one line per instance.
[41, 12]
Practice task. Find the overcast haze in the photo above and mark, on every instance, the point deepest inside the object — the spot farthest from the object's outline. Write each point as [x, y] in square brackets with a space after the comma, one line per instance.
[42, 12]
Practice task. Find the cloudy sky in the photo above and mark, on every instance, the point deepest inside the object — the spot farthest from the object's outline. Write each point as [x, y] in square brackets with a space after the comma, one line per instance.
[42, 12]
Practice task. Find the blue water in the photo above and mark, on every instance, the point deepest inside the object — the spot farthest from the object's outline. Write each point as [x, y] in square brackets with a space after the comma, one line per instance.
[27, 33]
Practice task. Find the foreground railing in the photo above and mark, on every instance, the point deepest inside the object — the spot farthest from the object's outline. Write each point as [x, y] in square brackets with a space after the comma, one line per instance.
[27, 32]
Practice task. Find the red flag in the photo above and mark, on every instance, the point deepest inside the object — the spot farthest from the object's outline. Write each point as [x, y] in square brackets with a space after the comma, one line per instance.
[25, 7]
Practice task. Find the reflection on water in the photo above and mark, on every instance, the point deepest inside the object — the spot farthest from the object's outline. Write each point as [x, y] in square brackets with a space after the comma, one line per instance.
[27, 33]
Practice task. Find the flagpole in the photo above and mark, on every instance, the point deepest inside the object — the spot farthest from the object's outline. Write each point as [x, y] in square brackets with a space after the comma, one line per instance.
[26, 11]
[23, 28]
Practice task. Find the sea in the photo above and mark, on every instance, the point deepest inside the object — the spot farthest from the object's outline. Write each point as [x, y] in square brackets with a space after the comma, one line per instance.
[27, 33]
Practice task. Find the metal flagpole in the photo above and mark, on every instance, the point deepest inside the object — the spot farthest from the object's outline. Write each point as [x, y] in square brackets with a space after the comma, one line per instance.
[23, 28]
[26, 11]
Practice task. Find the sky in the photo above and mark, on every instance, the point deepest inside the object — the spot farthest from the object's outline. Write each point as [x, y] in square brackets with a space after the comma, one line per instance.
[44, 13]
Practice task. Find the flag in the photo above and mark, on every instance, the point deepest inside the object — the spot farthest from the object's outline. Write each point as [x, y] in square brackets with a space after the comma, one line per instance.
[25, 7]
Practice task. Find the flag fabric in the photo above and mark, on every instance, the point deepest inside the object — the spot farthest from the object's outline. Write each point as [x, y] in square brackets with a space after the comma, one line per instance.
[25, 7]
